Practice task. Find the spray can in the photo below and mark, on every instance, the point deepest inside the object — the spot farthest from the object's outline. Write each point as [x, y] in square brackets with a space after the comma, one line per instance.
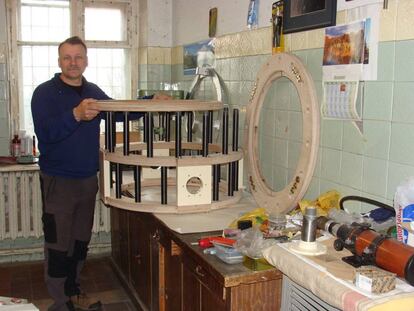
[278, 42]
[15, 146]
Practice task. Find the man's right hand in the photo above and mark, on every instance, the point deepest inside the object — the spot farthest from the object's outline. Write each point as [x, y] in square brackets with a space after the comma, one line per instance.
[86, 110]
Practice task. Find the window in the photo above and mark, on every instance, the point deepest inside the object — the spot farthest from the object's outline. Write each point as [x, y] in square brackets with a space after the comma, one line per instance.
[37, 28]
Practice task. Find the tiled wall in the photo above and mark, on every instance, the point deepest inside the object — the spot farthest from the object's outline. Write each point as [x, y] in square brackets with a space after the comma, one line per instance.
[372, 164]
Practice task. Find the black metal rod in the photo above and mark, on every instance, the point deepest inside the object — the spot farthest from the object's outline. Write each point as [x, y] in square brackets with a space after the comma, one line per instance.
[118, 180]
[137, 180]
[216, 181]
[107, 132]
[235, 137]
[225, 140]
[210, 127]
[236, 175]
[164, 185]
[113, 131]
[205, 134]
[178, 134]
[126, 133]
[168, 126]
[161, 124]
[148, 129]
[190, 120]
[230, 179]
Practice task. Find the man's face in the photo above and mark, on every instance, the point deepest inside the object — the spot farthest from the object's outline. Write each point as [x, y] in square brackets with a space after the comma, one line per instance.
[72, 61]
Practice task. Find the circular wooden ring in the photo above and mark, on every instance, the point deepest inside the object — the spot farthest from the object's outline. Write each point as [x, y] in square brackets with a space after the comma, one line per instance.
[156, 105]
[289, 66]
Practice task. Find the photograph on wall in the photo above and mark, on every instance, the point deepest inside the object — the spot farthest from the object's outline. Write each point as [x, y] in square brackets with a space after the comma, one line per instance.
[196, 55]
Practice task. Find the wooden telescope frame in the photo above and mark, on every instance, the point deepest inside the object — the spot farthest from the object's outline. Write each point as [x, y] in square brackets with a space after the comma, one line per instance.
[197, 165]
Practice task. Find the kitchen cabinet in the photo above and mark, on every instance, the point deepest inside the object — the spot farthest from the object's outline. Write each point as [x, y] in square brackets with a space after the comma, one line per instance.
[166, 271]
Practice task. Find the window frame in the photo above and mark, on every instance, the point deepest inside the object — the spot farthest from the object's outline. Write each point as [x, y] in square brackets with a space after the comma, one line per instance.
[77, 19]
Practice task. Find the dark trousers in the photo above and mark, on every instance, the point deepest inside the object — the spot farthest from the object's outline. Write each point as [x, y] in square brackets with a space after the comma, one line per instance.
[68, 209]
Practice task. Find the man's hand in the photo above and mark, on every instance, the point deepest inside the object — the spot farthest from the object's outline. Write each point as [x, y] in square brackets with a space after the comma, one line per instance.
[86, 110]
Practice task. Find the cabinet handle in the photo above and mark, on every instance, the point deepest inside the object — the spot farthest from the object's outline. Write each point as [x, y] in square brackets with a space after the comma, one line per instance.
[156, 235]
[199, 271]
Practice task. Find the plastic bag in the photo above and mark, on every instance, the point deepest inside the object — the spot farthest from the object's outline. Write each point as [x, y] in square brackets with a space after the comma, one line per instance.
[251, 243]
[258, 216]
[404, 211]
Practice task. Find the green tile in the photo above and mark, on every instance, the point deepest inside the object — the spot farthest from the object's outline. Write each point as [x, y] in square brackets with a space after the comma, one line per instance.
[280, 152]
[314, 63]
[282, 124]
[402, 146]
[330, 164]
[353, 141]
[404, 60]
[386, 56]
[374, 180]
[279, 178]
[397, 173]
[295, 126]
[378, 100]
[377, 135]
[331, 134]
[293, 154]
[351, 170]
[280, 91]
[313, 190]
[403, 108]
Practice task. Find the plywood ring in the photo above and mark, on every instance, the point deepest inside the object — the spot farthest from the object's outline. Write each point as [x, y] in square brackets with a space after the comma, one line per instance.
[288, 66]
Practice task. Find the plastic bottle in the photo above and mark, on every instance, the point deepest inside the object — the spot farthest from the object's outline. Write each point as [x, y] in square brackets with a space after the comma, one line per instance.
[16, 145]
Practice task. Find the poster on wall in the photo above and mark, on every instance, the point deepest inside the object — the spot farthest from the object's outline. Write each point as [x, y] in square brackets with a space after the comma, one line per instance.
[199, 54]
[351, 4]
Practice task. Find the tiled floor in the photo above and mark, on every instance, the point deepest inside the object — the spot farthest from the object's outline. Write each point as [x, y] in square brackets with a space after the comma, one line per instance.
[25, 280]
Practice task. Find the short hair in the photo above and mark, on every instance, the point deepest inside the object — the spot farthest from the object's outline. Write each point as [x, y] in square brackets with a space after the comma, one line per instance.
[75, 40]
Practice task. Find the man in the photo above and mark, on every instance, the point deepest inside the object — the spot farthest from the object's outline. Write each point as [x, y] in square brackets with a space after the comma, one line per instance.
[66, 123]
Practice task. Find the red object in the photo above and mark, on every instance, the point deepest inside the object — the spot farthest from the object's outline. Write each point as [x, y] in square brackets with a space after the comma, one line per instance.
[208, 241]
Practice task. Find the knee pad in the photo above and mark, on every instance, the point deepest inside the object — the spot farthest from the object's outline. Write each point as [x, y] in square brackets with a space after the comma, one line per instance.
[80, 250]
[57, 263]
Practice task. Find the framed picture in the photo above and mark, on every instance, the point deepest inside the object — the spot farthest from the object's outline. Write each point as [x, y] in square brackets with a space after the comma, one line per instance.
[300, 15]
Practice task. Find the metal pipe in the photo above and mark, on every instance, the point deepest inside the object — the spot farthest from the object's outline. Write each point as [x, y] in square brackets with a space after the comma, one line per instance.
[224, 145]
[167, 126]
[118, 180]
[235, 142]
[205, 133]
[190, 119]
[149, 130]
[216, 181]
[126, 133]
[178, 134]
[210, 127]
[164, 185]
[137, 180]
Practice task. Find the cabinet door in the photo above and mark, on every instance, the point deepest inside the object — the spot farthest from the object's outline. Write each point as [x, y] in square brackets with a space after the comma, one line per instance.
[139, 243]
[119, 235]
[200, 290]
[172, 276]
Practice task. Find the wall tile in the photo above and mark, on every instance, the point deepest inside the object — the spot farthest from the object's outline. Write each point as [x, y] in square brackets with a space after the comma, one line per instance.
[280, 152]
[386, 61]
[403, 108]
[351, 170]
[280, 177]
[377, 135]
[331, 164]
[374, 180]
[331, 135]
[282, 124]
[3, 91]
[404, 59]
[3, 72]
[388, 22]
[4, 145]
[295, 126]
[402, 147]
[314, 63]
[293, 154]
[378, 100]
[353, 141]
[313, 190]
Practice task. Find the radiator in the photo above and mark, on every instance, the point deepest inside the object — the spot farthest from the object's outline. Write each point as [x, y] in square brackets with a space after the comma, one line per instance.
[21, 205]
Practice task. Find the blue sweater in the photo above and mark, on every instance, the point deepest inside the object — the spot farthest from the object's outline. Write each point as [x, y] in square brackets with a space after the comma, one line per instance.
[67, 148]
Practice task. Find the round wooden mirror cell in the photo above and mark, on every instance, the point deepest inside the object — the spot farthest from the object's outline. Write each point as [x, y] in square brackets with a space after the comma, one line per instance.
[290, 67]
